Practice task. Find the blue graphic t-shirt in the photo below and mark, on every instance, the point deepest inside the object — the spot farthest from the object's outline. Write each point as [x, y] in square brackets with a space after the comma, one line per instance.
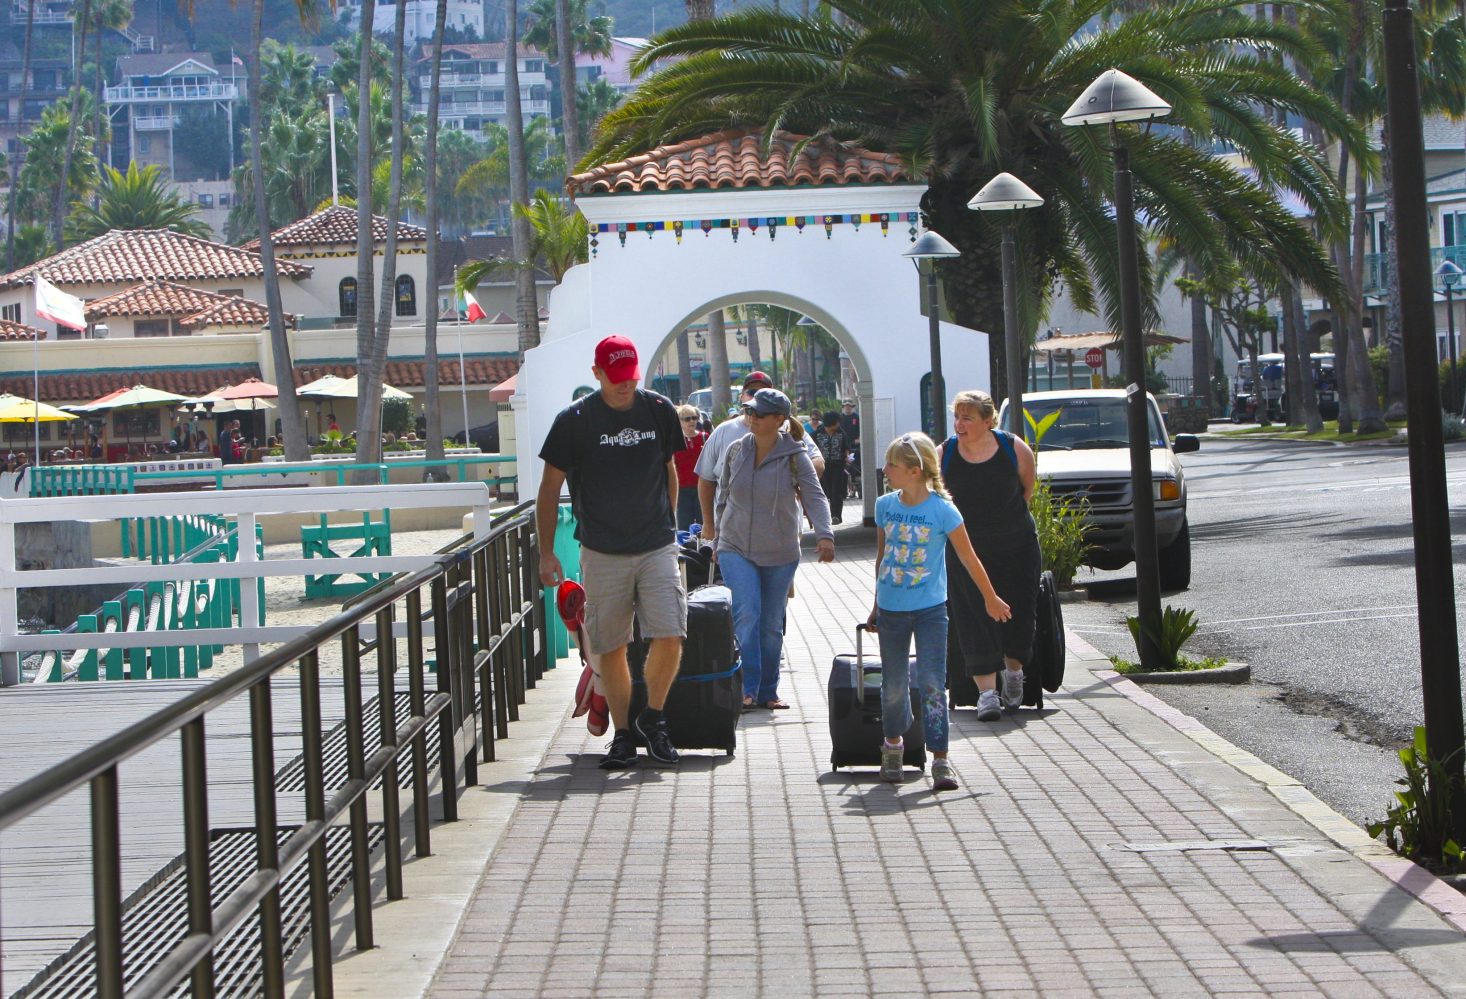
[913, 570]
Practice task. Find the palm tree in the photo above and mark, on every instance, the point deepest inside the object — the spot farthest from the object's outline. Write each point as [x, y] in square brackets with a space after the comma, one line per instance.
[430, 197]
[38, 184]
[558, 235]
[569, 114]
[718, 376]
[595, 100]
[526, 304]
[111, 15]
[962, 89]
[371, 367]
[58, 211]
[292, 423]
[137, 199]
[25, 86]
[557, 26]
[368, 403]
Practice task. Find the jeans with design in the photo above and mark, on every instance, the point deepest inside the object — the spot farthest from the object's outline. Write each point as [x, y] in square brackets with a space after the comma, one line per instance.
[759, 595]
[896, 629]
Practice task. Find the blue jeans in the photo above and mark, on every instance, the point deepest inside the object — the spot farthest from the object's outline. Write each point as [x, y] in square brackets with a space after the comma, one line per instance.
[896, 628]
[759, 595]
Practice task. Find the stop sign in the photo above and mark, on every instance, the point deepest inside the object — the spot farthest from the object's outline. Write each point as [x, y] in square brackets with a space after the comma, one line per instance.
[1094, 357]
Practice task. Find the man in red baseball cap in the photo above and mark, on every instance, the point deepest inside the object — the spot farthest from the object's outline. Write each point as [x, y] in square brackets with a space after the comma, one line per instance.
[614, 447]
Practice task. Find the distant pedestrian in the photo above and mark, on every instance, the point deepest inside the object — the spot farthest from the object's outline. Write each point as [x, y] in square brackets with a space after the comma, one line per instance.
[850, 423]
[615, 448]
[689, 510]
[833, 445]
[914, 523]
[991, 474]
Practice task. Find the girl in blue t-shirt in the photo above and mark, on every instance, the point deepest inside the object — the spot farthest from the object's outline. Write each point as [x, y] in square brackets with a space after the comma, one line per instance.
[914, 523]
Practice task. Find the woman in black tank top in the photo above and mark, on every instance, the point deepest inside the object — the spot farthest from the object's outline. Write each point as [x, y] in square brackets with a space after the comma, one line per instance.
[990, 475]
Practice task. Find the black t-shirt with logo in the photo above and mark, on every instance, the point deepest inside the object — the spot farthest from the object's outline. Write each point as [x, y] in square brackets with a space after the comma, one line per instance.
[616, 465]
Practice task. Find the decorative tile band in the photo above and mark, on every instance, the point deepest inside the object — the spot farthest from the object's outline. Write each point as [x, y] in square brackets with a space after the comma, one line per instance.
[771, 223]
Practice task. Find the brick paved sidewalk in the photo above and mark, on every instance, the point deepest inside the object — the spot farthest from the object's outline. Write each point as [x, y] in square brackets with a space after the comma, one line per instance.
[765, 874]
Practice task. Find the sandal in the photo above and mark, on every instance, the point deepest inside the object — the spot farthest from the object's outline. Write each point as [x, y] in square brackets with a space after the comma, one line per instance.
[775, 705]
[749, 704]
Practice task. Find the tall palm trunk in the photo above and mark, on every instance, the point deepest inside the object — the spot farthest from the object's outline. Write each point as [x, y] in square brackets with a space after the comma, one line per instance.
[718, 375]
[570, 114]
[750, 329]
[430, 195]
[368, 440]
[58, 212]
[371, 368]
[1200, 349]
[97, 90]
[526, 302]
[1293, 304]
[1394, 339]
[292, 426]
[684, 365]
[25, 87]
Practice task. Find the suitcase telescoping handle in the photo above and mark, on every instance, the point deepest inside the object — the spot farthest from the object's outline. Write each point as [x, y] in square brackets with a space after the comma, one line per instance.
[857, 678]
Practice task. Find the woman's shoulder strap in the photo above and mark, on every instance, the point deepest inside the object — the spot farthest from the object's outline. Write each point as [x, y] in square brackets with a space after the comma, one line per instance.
[1005, 441]
[947, 447]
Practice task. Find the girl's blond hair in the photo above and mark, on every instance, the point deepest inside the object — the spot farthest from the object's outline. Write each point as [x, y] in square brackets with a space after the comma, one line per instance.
[916, 450]
[976, 400]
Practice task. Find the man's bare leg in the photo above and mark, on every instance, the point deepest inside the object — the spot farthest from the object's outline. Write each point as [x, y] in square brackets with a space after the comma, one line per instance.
[616, 685]
[663, 660]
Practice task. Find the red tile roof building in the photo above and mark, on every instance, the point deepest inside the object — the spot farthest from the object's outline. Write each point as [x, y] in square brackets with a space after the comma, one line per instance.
[60, 387]
[194, 308]
[19, 331]
[736, 158]
[336, 227]
[128, 256]
[410, 374]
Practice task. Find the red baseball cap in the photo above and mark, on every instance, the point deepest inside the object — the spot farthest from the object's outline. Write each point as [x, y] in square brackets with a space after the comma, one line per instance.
[758, 378]
[616, 356]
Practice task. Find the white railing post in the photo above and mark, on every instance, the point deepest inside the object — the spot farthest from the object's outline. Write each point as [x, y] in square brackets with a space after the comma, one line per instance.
[9, 604]
[249, 588]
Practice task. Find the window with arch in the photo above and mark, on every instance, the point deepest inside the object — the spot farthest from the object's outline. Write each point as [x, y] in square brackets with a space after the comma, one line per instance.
[406, 295]
[346, 292]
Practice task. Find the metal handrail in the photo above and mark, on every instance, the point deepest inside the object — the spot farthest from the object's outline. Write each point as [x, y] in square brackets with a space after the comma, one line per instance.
[475, 640]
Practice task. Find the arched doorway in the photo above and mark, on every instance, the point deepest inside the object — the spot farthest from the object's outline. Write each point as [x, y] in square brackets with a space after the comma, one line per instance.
[685, 229]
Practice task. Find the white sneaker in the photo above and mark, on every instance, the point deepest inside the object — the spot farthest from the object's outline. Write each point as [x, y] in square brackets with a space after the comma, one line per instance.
[988, 706]
[1012, 689]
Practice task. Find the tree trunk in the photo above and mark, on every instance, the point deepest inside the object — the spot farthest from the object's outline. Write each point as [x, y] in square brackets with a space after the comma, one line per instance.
[1395, 383]
[1201, 354]
[1361, 378]
[292, 426]
[1312, 417]
[431, 403]
[370, 369]
[684, 366]
[1297, 366]
[25, 87]
[97, 102]
[699, 10]
[58, 214]
[750, 329]
[526, 302]
[718, 362]
[368, 440]
[569, 113]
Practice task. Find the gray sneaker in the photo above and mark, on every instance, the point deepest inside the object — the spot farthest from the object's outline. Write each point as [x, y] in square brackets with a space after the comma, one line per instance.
[944, 777]
[989, 708]
[1012, 689]
[892, 768]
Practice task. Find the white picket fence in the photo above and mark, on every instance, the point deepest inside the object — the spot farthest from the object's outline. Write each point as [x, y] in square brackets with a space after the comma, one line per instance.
[245, 506]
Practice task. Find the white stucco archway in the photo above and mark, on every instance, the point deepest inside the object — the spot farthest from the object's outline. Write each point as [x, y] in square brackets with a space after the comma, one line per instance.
[663, 259]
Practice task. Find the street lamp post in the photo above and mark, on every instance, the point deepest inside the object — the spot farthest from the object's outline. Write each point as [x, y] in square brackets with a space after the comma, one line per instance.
[1109, 100]
[1006, 193]
[931, 247]
[1450, 274]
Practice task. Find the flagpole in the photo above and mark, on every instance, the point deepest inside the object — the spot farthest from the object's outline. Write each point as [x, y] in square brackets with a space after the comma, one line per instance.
[36, 390]
[462, 368]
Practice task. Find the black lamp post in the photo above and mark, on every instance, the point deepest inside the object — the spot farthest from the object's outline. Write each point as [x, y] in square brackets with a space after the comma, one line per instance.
[1006, 193]
[1111, 99]
[1450, 274]
[931, 247]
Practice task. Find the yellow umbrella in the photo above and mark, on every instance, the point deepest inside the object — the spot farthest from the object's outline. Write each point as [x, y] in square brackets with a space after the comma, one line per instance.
[16, 409]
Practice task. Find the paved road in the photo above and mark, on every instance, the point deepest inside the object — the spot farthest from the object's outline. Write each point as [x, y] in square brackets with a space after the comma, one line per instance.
[1302, 566]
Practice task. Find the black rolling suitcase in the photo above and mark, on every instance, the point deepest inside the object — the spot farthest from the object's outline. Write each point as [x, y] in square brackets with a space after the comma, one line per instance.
[706, 700]
[855, 713]
[1046, 672]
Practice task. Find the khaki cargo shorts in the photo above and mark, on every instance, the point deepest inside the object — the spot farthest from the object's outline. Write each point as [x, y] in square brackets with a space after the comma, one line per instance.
[646, 586]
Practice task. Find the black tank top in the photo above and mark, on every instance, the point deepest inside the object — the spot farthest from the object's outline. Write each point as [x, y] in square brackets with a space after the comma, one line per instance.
[989, 495]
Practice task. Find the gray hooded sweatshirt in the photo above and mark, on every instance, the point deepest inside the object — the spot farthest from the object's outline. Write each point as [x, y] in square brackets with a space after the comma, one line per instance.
[757, 513]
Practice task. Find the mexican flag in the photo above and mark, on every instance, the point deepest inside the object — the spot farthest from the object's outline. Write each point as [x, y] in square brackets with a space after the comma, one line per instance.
[475, 311]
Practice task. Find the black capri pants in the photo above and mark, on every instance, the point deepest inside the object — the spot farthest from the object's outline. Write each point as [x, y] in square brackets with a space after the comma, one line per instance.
[983, 642]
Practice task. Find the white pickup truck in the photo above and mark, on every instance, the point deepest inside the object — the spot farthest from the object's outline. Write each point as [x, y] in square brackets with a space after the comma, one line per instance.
[1086, 454]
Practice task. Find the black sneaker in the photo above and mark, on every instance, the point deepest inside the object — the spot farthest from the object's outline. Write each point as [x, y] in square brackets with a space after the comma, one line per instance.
[658, 740]
[621, 753]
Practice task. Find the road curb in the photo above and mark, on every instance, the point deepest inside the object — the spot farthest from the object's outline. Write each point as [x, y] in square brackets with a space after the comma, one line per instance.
[1230, 673]
[1407, 875]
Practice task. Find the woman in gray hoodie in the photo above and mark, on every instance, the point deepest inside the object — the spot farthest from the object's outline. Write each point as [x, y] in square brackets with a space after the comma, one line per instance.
[766, 478]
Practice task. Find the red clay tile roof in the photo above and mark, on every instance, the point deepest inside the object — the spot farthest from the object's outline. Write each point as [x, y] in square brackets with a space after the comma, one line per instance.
[19, 331]
[735, 159]
[409, 374]
[195, 308]
[132, 255]
[62, 387]
[483, 50]
[337, 225]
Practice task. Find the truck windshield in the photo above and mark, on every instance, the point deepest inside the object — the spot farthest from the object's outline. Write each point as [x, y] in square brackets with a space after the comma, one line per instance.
[1089, 423]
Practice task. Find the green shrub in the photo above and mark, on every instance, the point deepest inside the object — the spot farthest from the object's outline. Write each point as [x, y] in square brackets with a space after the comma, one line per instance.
[1418, 824]
[1063, 525]
[396, 416]
[1453, 428]
[1178, 624]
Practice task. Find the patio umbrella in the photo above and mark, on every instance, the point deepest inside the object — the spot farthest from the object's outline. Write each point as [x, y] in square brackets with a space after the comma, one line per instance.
[137, 397]
[334, 387]
[18, 409]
